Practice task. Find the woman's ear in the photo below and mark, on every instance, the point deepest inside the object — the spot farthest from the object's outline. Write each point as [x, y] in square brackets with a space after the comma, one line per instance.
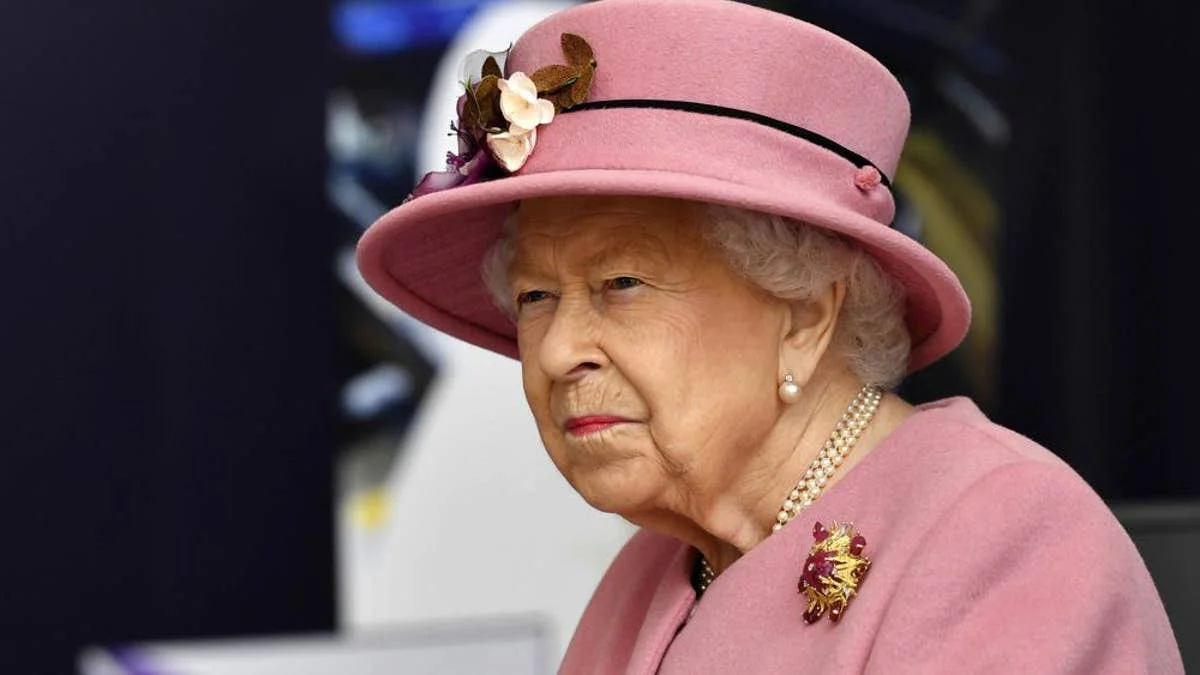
[809, 331]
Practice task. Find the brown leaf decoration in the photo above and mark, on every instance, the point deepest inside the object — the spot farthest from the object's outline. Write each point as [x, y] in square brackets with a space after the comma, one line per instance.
[550, 79]
[485, 86]
[491, 68]
[483, 104]
[490, 116]
[561, 100]
[579, 90]
[566, 86]
[577, 50]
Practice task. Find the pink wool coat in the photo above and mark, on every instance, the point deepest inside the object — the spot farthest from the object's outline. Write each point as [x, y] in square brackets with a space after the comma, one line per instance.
[989, 555]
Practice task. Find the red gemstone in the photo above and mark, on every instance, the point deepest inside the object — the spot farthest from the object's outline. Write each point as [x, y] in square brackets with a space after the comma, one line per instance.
[861, 572]
[819, 532]
[815, 567]
[857, 544]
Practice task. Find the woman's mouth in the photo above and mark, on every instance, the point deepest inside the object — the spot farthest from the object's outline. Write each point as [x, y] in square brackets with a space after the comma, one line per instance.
[591, 424]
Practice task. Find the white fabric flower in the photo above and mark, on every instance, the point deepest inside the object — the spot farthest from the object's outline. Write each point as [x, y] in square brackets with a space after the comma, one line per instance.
[511, 148]
[520, 103]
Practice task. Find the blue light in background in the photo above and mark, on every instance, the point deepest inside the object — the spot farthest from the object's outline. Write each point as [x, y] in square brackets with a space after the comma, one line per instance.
[381, 27]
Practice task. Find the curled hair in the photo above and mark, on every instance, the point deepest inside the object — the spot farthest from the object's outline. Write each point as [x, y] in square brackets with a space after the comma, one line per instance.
[792, 261]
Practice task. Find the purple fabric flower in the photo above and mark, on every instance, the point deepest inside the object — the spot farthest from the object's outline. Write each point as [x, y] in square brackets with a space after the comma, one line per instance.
[460, 170]
[469, 166]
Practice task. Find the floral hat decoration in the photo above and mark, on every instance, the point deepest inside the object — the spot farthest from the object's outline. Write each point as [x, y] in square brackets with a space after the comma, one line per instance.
[819, 144]
[498, 117]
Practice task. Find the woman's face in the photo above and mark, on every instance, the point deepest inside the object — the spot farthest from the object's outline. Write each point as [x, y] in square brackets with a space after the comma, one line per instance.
[650, 367]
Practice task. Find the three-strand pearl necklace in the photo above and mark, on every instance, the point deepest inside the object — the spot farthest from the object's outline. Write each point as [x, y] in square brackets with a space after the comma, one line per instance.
[856, 418]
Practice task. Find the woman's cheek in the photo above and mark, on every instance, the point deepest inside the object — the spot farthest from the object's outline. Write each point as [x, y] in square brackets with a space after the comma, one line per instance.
[657, 317]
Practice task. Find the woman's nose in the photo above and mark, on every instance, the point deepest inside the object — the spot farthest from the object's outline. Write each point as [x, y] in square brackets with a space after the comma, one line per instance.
[570, 346]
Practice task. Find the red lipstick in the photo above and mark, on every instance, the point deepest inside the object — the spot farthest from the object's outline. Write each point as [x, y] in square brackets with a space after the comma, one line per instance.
[590, 424]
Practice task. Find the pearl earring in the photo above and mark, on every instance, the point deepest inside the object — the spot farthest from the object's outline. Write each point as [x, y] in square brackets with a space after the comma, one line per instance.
[789, 391]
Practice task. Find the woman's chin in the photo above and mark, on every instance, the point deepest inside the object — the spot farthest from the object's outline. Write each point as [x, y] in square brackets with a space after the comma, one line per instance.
[616, 488]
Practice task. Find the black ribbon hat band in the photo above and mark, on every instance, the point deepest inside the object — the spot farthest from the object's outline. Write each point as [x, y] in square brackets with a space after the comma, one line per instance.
[721, 111]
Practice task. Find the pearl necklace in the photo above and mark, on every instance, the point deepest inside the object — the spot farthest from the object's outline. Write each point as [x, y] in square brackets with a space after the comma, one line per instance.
[856, 418]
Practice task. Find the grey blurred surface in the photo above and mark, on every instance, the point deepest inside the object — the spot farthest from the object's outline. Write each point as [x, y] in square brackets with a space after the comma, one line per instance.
[1168, 536]
[500, 646]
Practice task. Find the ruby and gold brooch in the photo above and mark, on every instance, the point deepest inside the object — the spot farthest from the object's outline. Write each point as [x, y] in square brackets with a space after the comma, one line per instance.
[833, 571]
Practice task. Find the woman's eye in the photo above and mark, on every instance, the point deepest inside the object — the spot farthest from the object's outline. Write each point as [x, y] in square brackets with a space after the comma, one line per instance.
[623, 283]
[530, 297]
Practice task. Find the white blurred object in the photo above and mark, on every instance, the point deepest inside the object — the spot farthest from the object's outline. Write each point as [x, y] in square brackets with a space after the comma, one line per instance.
[367, 394]
[473, 519]
[478, 521]
[510, 647]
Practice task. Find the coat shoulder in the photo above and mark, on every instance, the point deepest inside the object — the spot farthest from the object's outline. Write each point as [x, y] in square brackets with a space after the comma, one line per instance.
[623, 603]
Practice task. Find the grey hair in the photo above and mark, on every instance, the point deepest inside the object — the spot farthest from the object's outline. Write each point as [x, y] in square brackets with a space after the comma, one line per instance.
[792, 261]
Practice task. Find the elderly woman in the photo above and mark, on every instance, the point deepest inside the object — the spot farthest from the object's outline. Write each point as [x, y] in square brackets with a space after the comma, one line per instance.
[675, 214]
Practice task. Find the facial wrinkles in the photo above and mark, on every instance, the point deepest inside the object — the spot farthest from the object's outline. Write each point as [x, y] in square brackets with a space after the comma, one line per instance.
[721, 453]
[580, 251]
[572, 254]
[681, 320]
[574, 259]
[567, 255]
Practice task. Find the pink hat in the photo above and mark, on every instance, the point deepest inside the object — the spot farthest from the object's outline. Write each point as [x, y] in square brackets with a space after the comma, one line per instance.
[705, 100]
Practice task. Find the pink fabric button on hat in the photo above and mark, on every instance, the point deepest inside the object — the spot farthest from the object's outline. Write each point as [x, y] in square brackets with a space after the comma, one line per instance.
[704, 100]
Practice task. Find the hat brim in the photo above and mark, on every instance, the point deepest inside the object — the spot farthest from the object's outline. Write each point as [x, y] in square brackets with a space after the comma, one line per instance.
[426, 255]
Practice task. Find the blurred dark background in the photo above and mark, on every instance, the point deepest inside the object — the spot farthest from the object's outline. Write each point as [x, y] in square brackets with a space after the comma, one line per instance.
[167, 382]
[170, 345]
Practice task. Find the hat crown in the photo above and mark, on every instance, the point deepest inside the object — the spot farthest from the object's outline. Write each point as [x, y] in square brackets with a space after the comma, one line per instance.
[723, 53]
